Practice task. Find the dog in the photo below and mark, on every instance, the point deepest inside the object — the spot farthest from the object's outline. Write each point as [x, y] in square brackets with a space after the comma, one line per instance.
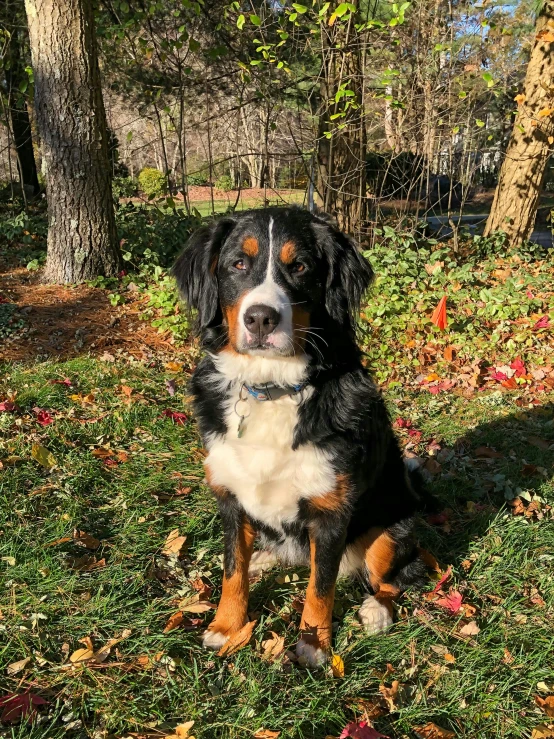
[300, 448]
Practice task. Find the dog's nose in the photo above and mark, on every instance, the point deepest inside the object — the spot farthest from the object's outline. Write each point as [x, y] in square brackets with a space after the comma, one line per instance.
[261, 320]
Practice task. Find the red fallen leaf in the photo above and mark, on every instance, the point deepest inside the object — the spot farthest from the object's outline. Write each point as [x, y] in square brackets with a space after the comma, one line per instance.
[176, 416]
[439, 314]
[402, 423]
[123, 272]
[529, 294]
[16, 706]
[414, 434]
[519, 367]
[8, 406]
[451, 602]
[66, 381]
[443, 579]
[499, 376]
[541, 323]
[360, 730]
[43, 417]
[510, 383]
[441, 387]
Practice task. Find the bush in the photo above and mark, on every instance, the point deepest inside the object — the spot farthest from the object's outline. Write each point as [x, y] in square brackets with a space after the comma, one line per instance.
[197, 179]
[225, 183]
[152, 182]
[124, 187]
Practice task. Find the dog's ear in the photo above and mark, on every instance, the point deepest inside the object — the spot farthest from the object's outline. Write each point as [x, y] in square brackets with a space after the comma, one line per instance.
[195, 269]
[349, 273]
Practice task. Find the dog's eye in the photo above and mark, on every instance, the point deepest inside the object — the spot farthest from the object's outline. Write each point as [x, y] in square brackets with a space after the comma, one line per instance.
[297, 267]
[240, 265]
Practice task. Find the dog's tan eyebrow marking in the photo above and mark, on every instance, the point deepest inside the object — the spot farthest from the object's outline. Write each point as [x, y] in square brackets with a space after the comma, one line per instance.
[288, 252]
[250, 246]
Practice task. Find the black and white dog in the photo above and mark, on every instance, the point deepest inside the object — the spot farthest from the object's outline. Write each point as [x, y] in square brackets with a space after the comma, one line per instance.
[301, 452]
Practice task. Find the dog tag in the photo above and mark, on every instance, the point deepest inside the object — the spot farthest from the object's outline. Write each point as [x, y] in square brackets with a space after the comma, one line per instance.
[240, 430]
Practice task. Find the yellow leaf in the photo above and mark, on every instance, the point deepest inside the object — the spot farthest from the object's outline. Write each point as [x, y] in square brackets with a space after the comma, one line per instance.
[238, 641]
[174, 543]
[266, 734]
[16, 667]
[182, 730]
[337, 666]
[174, 366]
[545, 112]
[81, 655]
[543, 731]
[551, 140]
[332, 19]
[43, 456]
[519, 98]
[449, 657]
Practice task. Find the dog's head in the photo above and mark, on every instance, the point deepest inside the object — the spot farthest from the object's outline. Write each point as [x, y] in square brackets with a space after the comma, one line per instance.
[262, 280]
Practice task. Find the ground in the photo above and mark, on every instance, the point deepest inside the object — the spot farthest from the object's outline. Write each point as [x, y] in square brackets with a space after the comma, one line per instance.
[110, 545]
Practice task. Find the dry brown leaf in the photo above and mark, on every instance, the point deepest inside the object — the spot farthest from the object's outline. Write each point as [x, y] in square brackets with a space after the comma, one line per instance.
[389, 694]
[485, 452]
[81, 655]
[449, 353]
[238, 641]
[337, 666]
[19, 666]
[470, 629]
[547, 704]
[266, 734]
[174, 366]
[87, 563]
[508, 657]
[432, 731]
[174, 543]
[274, 647]
[543, 731]
[88, 541]
[449, 657]
[174, 621]
[200, 606]
[538, 442]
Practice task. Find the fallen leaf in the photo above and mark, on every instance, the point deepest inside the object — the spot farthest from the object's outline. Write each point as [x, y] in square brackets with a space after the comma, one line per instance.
[432, 731]
[174, 366]
[200, 606]
[451, 602]
[16, 706]
[8, 406]
[538, 442]
[470, 629]
[337, 666]
[547, 704]
[176, 416]
[508, 657]
[170, 387]
[543, 731]
[390, 694]
[81, 655]
[86, 540]
[449, 353]
[174, 622]
[19, 666]
[266, 734]
[87, 563]
[274, 647]
[449, 658]
[238, 641]
[439, 314]
[360, 730]
[66, 381]
[42, 417]
[43, 456]
[443, 579]
[174, 543]
[485, 452]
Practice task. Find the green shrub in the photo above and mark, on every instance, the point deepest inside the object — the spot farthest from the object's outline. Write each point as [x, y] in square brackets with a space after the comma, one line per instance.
[225, 183]
[152, 182]
[124, 187]
[198, 179]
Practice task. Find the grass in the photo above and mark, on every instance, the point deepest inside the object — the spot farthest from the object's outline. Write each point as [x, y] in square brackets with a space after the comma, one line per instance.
[502, 564]
[204, 207]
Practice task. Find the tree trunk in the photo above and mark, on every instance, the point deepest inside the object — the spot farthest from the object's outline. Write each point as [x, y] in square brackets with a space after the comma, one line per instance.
[521, 178]
[19, 115]
[82, 239]
[341, 167]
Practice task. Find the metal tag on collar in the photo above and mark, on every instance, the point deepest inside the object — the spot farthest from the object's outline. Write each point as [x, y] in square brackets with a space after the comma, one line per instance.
[242, 416]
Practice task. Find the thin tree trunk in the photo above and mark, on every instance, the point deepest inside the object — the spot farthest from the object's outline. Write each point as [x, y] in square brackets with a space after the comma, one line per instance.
[19, 115]
[82, 239]
[521, 178]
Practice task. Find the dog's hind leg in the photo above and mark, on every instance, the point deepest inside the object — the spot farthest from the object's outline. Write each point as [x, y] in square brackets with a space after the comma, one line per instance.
[393, 564]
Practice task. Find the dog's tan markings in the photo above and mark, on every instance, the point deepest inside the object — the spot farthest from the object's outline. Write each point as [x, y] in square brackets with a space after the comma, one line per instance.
[232, 313]
[379, 558]
[317, 616]
[218, 490]
[335, 499]
[288, 252]
[250, 246]
[232, 612]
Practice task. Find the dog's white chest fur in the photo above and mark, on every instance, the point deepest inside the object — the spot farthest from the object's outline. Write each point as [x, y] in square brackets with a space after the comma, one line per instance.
[260, 467]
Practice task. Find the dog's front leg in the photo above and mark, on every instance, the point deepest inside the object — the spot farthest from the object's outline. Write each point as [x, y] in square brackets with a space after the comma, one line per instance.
[326, 550]
[232, 612]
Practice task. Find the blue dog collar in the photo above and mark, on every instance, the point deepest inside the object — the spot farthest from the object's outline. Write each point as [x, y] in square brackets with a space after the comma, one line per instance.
[269, 391]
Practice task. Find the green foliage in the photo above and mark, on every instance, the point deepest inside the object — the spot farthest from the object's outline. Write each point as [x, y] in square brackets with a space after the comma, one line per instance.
[198, 179]
[124, 187]
[152, 182]
[225, 183]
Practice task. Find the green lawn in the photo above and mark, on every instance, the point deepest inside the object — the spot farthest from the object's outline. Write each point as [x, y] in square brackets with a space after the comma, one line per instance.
[482, 685]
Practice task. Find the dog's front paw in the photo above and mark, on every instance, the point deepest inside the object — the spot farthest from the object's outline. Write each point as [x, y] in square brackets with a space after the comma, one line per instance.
[374, 616]
[212, 639]
[312, 653]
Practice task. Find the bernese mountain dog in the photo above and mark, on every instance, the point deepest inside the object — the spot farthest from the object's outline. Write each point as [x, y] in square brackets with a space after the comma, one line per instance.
[300, 449]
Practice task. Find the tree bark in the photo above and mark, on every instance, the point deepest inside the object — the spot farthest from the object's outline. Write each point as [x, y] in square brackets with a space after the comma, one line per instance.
[82, 239]
[521, 178]
[21, 125]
